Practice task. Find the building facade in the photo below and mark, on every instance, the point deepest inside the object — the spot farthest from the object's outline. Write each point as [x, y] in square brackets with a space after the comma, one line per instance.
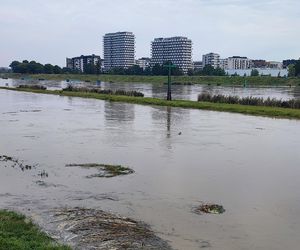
[118, 50]
[239, 62]
[197, 65]
[177, 50]
[212, 59]
[79, 63]
[143, 62]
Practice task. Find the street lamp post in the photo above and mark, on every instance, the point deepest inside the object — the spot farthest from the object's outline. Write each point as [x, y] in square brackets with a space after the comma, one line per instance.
[169, 94]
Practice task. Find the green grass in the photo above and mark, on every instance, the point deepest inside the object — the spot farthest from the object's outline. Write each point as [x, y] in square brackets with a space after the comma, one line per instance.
[106, 170]
[274, 112]
[19, 233]
[213, 80]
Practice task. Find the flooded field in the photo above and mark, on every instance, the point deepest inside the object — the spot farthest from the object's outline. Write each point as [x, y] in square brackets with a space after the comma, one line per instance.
[188, 92]
[181, 159]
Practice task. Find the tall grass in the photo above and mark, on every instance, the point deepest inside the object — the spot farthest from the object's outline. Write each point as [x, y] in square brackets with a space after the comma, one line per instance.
[40, 87]
[103, 91]
[249, 100]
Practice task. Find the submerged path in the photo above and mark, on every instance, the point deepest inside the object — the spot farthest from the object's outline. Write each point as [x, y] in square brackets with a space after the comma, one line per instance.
[274, 112]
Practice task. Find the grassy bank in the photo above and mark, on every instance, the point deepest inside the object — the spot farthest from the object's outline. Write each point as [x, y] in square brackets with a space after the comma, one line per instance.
[213, 80]
[233, 108]
[17, 232]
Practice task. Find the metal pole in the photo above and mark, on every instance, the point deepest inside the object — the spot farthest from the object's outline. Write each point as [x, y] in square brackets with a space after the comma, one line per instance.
[169, 97]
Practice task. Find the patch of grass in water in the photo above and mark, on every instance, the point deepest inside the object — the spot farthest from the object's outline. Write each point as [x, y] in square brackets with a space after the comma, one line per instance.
[105, 170]
[17, 232]
[210, 209]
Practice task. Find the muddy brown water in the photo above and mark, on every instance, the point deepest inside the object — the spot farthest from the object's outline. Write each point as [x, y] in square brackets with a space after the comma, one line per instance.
[248, 164]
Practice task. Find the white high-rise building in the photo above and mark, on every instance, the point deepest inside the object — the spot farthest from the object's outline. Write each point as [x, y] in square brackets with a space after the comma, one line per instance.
[238, 62]
[212, 59]
[118, 50]
[177, 50]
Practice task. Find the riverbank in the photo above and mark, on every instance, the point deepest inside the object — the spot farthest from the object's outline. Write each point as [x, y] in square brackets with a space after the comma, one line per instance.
[17, 232]
[210, 80]
[273, 112]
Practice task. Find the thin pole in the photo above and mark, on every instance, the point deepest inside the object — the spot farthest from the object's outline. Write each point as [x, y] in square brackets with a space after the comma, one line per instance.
[169, 96]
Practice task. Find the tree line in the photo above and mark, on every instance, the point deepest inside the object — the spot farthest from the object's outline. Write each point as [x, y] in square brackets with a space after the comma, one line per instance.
[33, 67]
[294, 69]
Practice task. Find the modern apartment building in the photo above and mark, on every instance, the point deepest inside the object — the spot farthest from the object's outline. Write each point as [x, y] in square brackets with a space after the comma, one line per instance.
[212, 59]
[79, 63]
[239, 62]
[143, 62]
[223, 63]
[198, 65]
[118, 50]
[177, 49]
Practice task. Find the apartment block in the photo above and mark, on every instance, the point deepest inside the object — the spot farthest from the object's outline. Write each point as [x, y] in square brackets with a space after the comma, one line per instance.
[79, 63]
[143, 62]
[239, 62]
[177, 50]
[118, 50]
[212, 59]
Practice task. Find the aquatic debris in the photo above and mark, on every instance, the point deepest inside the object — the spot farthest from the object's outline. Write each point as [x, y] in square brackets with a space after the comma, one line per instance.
[13, 162]
[97, 229]
[38, 87]
[105, 170]
[9, 161]
[210, 209]
[43, 174]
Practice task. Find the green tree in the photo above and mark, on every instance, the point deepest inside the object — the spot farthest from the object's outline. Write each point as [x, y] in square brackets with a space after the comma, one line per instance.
[254, 72]
[208, 70]
[14, 66]
[57, 70]
[297, 68]
[291, 70]
[48, 68]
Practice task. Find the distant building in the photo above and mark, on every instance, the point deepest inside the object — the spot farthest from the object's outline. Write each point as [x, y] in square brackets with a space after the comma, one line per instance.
[275, 65]
[79, 63]
[223, 63]
[119, 50]
[212, 59]
[143, 62]
[198, 65]
[239, 62]
[177, 50]
[260, 64]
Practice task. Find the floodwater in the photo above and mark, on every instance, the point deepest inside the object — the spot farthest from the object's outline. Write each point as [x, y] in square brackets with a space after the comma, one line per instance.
[187, 92]
[248, 164]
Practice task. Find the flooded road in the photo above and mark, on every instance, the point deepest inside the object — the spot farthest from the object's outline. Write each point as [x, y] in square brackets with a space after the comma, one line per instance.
[181, 158]
[187, 92]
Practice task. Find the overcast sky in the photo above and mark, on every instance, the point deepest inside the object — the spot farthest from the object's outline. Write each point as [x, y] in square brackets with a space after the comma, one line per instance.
[48, 31]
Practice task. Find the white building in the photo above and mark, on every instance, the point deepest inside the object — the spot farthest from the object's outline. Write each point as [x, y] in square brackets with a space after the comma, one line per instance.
[143, 62]
[79, 63]
[275, 65]
[198, 65]
[118, 50]
[212, 59]
[177, 49]
[238, 62]
[224, 63]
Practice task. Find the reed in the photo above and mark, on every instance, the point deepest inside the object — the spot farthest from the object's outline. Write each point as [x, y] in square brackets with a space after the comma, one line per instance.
[249, 100]
[103, 91]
